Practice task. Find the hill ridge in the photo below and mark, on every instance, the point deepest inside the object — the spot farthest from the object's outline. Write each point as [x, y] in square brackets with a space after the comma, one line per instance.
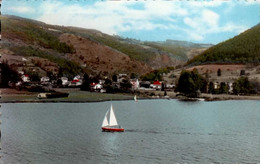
[243, 48]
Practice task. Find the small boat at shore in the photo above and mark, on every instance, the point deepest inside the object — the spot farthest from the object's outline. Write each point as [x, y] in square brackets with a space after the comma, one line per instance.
[52, 95]
[110, 123]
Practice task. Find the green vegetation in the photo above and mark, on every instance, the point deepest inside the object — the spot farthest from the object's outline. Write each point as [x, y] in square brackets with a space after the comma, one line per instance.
[32, 33]
[156, 74]
[32, 38]
[242, 86]
[243, 48]
[223, 89]
[85, 83]
[125, 84]
[67, 67]
[34, 76]
[177, 52]
[137, 50]
[219, 72]
[8, 75]
[134, 51]
[191, 83]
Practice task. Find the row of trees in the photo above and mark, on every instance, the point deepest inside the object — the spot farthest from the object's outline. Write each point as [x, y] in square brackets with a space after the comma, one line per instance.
[8, 75]
[191, 83]
[125, 84]
[156, 75]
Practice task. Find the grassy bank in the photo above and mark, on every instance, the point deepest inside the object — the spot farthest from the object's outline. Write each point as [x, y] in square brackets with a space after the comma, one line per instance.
[75, 95]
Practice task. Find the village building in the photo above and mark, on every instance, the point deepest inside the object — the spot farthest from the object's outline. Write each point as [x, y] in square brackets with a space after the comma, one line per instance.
[98, 87]
[135, 83]
[144, 84]
[156, 85]
[64, 80]
[75, 83]
[25, 78]
[77, 77]
[45, 79]
[21, 72]
[216, 85]
[230, 87]
[121, 77]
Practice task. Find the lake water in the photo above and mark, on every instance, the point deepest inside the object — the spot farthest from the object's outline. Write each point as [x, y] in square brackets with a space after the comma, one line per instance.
[157, 131]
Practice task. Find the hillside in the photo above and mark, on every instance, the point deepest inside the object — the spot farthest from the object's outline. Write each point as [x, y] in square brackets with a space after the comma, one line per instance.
[72, 50]
[180, 50]
[51, 44]
[244, 48]
[154, 54]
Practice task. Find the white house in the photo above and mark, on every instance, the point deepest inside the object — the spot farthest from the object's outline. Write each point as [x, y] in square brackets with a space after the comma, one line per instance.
[20, 72]
[170, 86]
[64, 80]
[25, 78]
[135, 83]
[45, 79]
[76, 77]
[75, 83]
[216, 85]
[230, 87]
[156, 85]
[98, 87]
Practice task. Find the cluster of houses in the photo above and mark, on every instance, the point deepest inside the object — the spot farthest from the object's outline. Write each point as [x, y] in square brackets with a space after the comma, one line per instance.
[229, 84]
[98, 86]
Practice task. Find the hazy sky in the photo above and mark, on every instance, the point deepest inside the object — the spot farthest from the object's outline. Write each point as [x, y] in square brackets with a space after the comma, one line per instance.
[201, 21]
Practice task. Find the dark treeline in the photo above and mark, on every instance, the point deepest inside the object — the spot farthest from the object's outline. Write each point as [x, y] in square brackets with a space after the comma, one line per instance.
[191, 84]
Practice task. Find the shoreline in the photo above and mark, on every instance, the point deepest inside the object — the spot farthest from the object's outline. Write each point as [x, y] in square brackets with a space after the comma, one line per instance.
[77, 96]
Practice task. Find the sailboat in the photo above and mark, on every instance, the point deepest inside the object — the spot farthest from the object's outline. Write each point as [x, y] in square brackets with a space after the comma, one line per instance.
[135, 99]
[110, 123]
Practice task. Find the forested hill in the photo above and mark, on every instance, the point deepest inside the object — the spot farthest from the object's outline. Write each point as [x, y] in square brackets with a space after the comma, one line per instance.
[71, 50]
[244, 48]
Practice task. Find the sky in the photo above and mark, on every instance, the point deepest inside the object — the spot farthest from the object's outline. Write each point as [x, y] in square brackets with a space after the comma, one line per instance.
[199, 21]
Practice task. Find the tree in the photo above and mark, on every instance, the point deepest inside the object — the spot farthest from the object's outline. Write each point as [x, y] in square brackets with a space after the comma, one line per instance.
[125, 84]
[114, 78]
[211, 87]
[133, 75]
[34, 76]
[59, 82]
[219, 72]
[190, 83]
[242, 85]
[50, 75]
[165, 93]
[108, 82]
[242, 72]
[223, 88]
[207, 74]
[85, 83]
[8, 74]
[163, 86]
[152, 76]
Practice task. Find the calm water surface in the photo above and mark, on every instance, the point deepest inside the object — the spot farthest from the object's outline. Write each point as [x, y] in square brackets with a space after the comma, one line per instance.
[157, 131]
